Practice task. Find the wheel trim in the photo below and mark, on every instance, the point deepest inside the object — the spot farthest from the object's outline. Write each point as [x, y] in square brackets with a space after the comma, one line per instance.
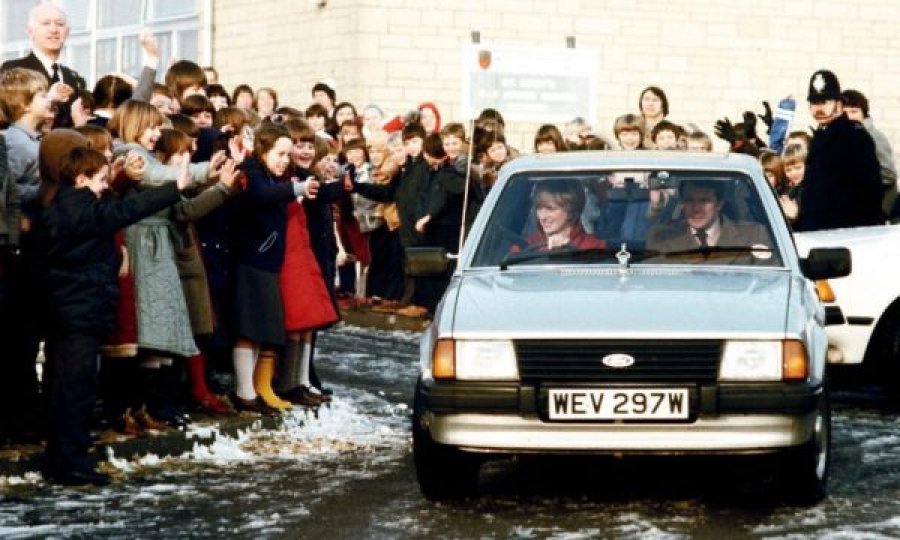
[821, 435]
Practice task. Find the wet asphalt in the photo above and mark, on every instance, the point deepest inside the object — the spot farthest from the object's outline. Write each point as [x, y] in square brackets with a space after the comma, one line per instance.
[348, 473]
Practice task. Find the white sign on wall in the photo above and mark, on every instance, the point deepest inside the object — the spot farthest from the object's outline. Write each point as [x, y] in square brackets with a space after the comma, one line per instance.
[529, 84]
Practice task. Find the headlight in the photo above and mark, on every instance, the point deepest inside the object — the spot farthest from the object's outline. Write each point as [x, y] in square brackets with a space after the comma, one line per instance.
[475, 360]
[751, 361]
[486, 361]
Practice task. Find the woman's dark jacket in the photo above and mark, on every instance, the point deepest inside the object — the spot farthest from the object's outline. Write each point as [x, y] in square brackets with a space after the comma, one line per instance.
[262, 218]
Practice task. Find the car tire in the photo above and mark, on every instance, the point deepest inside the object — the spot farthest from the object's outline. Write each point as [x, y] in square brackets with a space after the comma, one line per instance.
[444, 473]
[883, 360]
[804, 470]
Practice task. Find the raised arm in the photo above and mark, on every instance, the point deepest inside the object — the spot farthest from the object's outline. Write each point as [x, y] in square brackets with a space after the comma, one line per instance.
[194, 208]
[143, 90]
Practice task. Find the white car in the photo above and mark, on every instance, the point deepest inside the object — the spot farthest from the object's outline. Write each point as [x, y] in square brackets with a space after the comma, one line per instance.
[863, 308]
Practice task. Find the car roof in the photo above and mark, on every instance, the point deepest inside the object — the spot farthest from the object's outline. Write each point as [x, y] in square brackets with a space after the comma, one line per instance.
[642, 159]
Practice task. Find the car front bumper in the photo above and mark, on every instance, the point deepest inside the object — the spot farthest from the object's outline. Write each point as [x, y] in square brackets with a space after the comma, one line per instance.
[725, 433]
[512, 417]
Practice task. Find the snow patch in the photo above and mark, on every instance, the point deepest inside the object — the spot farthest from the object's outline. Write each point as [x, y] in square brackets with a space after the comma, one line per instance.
[28, 479]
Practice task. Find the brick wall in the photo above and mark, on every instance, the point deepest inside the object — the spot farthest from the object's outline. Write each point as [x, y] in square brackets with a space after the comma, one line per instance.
[713, 57]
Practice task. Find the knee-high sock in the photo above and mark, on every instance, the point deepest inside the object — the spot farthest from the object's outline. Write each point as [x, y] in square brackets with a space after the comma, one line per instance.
[244, 362]
[305, 359]
[262, 381]
[289, 367]
[196, 368]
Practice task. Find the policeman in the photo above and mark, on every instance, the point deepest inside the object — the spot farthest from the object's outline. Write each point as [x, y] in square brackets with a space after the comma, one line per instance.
[842, 184]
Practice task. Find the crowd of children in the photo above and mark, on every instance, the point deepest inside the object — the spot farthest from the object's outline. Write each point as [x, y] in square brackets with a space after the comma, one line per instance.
[179, 230]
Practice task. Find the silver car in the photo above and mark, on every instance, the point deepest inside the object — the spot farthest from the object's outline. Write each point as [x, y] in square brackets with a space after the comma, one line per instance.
[639, 302]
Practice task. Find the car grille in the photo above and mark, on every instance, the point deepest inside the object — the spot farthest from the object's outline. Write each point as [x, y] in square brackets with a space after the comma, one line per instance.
[655, 361]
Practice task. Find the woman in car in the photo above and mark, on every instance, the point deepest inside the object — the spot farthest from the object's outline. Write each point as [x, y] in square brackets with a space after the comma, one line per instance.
[558, 204]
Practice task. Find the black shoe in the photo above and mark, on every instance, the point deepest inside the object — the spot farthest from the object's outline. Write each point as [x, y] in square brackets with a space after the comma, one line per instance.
[301, 395]
[80, 478]
[325, 394]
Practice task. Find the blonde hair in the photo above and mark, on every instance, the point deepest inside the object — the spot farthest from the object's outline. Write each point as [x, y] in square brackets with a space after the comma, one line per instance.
[132, 118]
[18, 86]
[794, 153]
[378, 142]
[701, 137]
[629, 122]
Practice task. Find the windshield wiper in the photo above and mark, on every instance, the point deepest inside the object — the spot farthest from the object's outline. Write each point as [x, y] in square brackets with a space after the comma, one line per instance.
[518, 257]
[565, 252]
[709, 250]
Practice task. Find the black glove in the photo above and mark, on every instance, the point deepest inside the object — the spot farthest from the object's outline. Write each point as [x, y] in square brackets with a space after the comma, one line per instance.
[749, 125]
[725, 130]
[766, 117]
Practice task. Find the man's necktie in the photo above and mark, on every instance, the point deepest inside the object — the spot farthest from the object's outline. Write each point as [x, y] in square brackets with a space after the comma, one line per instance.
[701, 237]
[54, 77]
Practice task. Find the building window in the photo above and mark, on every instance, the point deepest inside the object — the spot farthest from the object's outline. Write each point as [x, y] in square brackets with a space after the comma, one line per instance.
[104, 33]
[164, 9]
[113, 13]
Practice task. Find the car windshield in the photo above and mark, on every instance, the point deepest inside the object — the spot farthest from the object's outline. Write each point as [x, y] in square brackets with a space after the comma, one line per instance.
[650, 217]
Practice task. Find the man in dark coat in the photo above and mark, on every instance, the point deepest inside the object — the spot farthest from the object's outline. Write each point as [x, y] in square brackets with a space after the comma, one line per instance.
[48, 30]
[842, 184]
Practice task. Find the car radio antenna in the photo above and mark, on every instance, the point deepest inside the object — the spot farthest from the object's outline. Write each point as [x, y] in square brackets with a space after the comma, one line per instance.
[465, 208]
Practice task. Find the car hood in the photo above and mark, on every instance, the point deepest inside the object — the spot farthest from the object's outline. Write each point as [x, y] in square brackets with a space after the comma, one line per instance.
[582, 303]
[879, 239]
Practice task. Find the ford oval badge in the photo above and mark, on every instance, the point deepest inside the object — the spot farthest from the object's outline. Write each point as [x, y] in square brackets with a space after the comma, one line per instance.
[618, 360]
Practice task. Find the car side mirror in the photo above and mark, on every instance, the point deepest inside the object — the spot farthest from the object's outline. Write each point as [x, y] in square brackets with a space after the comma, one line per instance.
[826, 263]
[426, 261]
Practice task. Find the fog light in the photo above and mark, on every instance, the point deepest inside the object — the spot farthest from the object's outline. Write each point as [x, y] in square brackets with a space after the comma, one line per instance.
[834, 355]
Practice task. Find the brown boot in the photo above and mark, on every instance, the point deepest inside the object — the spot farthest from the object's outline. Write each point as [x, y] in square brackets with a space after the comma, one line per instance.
[128, 425]
[149, 423]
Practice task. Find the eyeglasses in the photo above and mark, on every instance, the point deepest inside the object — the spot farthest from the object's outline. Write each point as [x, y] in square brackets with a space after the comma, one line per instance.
[278, 118]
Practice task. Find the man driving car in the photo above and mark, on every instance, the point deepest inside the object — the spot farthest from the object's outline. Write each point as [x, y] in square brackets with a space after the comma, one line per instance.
[704, 234]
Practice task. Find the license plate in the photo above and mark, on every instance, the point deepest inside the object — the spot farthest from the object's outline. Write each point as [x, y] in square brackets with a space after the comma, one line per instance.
[619, 404]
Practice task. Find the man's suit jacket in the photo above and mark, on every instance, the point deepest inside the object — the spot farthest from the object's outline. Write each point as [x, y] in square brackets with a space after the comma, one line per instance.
[69, 76]
[677, 236]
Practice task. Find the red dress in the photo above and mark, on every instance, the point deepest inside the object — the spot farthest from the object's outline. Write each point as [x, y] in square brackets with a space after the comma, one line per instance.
[578, 239]
[123, 343]
[307, 304]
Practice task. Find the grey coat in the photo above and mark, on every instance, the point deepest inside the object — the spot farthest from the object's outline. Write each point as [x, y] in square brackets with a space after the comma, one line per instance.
[885, 155]
[163, 321]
